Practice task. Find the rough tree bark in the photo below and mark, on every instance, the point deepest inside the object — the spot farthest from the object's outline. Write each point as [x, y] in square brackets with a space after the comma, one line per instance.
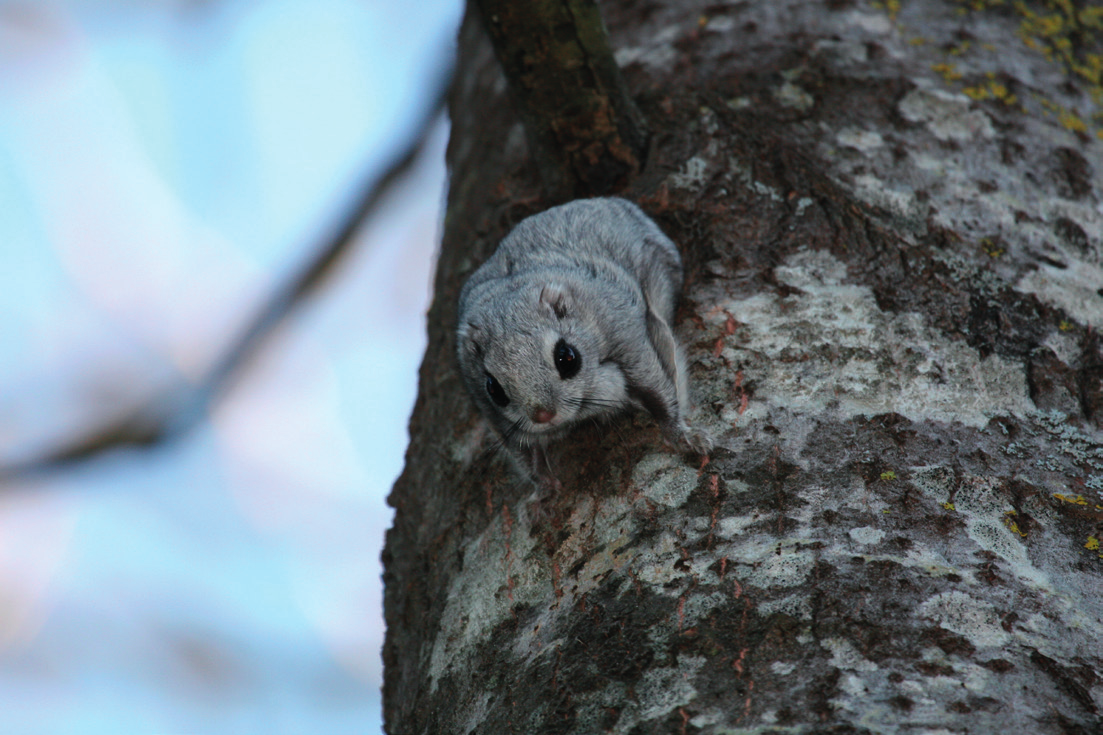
[893, 228]
[584, 131]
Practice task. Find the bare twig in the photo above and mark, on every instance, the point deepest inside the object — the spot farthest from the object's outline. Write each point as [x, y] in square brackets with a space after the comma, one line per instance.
[170, 416]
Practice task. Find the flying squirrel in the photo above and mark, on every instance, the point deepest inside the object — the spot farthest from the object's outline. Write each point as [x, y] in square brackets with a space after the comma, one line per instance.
[569, 321]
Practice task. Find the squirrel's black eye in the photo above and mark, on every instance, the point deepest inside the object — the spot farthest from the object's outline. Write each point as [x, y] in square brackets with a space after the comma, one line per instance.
[567, 360]
[497, 393]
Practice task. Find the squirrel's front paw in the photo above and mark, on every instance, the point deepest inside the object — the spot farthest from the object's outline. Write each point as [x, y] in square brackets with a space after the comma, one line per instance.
[684, 437]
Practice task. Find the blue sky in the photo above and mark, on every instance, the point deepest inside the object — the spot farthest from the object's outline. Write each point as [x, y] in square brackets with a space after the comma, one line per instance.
[162, 166]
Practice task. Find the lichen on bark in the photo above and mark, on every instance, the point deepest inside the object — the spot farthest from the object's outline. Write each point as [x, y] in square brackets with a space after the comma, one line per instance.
[892, 326]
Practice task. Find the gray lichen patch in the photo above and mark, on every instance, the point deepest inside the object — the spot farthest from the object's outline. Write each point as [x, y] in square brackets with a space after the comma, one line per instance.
[827, 348]
[860, 140]
[924, 558]
[867, 535]
[733, 525]
[789, 568]
[664, 479]
[797, 607]
[989, 518]
[694, 172]
[792, 95]
[483, 596]
[899, 202]
[845, 656]
[1073, 288]
[948, 116]
[967, 616]
[506, 570]
[664, 689]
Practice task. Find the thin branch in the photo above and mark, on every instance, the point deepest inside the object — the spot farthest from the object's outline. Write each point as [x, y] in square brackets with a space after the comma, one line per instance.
[170, 416]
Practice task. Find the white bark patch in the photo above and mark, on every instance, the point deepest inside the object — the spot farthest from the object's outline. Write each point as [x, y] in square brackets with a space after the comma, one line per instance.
[797, 606]
[609, 527]
[933, 564]
[860, 140]
[779, 570]
[1064, 345]
[965, 615]
[988, 518]
[664, 479]
[664, 689]
[867, 535]
[841, 53]
[482, 596]
[793, 96]
[720, 23]
[830, 349]
[1074, 289]
[470, 445]
[947, 115]
[659, 53]
[735, 525]
[875, 23]
[656, 564]
[516, 142]
[691, 175]
[697, 607]
[878, 193]
[845, 656]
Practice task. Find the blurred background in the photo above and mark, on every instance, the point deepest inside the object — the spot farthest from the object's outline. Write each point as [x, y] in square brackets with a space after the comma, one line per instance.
[164, 166]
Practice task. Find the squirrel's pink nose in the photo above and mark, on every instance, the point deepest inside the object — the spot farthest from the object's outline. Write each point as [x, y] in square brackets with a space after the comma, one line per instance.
[542, 416]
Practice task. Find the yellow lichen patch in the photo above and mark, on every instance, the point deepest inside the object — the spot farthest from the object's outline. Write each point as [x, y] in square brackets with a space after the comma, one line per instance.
[892, 7]
[1009, 521]
[949, 506]
[1065, 116]
[991, 248]
[1091, 68]
[1052, 33]
[948, 71]
[1065, 326]
[1078, 500]
[1072, 122]
[991, 90]
[1091, 17]
[1092, 544]
[960, 49]
[1060, 30]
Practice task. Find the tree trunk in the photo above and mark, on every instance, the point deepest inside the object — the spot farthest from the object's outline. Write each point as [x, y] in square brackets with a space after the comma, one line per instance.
[893, 231]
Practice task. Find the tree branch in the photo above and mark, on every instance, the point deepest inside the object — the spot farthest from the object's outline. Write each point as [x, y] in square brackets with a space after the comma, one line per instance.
[170, 416]
[585, 133]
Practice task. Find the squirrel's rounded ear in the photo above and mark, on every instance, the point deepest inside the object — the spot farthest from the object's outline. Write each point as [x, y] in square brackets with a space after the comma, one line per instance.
[557, 298]
[471, 339]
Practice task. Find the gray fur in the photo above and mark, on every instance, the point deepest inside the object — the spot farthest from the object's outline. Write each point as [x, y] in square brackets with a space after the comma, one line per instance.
[599, 274]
